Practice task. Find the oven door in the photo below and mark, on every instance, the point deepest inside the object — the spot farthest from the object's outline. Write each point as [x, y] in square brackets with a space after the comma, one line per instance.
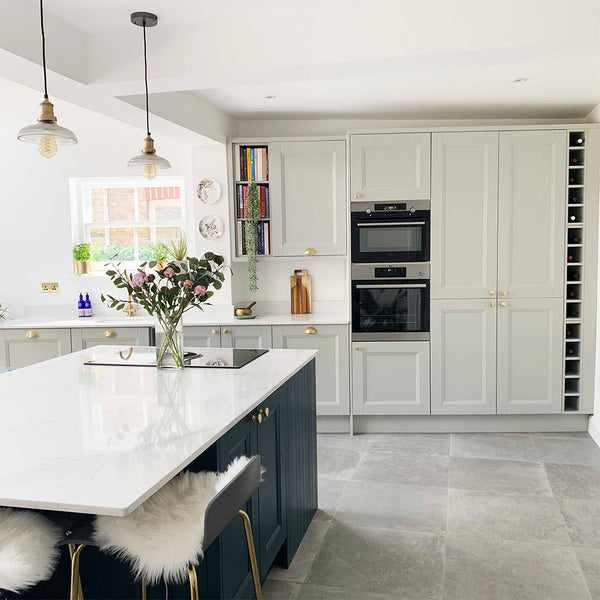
[390, 310]
[390, 240]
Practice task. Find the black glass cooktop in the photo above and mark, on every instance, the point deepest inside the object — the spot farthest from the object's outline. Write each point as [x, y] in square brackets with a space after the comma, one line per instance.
[197, 358]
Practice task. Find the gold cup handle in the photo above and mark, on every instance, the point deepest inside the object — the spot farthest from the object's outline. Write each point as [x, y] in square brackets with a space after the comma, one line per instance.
[32, 334]
[310, 331]
[110, 333]
[310, 251]
[214, 331]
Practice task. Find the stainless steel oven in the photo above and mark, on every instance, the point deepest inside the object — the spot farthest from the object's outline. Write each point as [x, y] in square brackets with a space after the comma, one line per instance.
[390, 302]
[396, 232]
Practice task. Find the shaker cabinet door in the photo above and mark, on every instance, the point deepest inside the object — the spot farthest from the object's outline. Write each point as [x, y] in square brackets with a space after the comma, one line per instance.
[202, 336]
[463, 357]
[531, 213]
[86, 337]
[464, 204]
[23, 347]
[530, 359]
[308, 192]
[389, 166]
[390, 378]
[246, 336]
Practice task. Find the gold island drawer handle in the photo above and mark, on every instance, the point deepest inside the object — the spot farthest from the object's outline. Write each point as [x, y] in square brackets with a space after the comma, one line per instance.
[214, 331]
[310, 251]
[310, 331]
[110, 333]
[225, 330]
[32, 334]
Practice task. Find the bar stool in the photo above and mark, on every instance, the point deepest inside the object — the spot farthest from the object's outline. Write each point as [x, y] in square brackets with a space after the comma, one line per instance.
[28, 549]
[165, 537]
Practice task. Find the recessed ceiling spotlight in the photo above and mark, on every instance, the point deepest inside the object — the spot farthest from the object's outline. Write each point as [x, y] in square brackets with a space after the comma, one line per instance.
[520, 80]
[271, 97]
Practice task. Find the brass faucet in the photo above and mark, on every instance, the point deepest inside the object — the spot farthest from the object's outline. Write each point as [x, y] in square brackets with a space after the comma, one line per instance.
[130, 308]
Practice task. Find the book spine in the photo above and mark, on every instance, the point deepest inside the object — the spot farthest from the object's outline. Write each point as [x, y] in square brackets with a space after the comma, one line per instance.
[238, 166]
[266, 164]
[245, 201]
[252, 165]
[248, 163]
[267, 205]
[263, 203]
[258, 159]
[267, 238]
[243, 168]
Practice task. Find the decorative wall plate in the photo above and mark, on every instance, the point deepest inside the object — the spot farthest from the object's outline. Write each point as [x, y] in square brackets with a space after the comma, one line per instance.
[209, 191]
[211, 227]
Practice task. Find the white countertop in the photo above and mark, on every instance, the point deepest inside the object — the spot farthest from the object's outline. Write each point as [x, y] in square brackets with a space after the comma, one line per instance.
[101, 439]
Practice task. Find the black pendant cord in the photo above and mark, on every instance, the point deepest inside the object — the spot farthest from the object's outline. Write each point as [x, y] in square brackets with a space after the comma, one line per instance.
[145, 81]
[43, 48]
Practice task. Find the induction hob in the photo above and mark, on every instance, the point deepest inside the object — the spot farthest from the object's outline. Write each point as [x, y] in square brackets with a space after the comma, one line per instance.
[196, 358]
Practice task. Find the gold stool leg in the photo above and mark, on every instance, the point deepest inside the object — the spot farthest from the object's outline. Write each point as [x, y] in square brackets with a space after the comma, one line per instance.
[76, 589]
[251, 553]
[144, 591]
[194, 592]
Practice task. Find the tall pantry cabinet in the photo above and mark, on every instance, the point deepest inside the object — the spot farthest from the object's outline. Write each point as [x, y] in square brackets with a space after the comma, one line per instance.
[497, 271]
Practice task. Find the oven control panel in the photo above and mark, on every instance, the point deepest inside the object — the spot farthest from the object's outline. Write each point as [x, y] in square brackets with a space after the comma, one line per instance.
[390, 271]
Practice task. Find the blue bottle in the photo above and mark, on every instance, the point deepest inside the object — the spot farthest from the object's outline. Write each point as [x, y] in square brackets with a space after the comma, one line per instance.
[88, 306]
[81, 306]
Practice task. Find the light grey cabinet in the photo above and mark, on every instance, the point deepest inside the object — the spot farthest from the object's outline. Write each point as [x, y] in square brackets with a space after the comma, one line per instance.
[530, 355]
[246, 336]
[390, 166]
[464, 219]
[86, 337]
[23, 347]
[202, 336]
[308, 197]
[390, 378]
[463, 356]
[531, 213]
[332, 362]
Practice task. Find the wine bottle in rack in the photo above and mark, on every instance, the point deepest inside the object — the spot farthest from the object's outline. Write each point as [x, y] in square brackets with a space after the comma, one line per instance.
[568, 332]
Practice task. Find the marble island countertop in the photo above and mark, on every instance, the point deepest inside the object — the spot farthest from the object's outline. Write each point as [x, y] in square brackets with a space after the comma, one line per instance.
[102, 439]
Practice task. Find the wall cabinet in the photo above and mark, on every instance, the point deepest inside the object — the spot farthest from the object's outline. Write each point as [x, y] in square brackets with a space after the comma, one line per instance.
[332, 362]
[308, 197]
[390, 166]
[23, 347]
[390, 378]
[84, 338]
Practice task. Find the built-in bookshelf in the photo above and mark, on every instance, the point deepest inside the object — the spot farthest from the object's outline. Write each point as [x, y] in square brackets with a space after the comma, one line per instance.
[574, 259]
[251, 165]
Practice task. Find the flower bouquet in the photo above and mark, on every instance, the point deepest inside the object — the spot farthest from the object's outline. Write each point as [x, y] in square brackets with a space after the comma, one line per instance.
[168, 294]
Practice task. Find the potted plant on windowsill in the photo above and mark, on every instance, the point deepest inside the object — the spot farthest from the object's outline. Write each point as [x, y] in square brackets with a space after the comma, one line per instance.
[82, 255]
[160, 254]
[178, 249]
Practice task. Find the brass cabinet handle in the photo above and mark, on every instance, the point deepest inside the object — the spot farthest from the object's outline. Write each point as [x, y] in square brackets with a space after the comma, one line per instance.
[310, 331]
[215, 331]
[504, 292]
[260, 417]
[502, 303]
[110, 333]
[267, 412]
[492, 293]
[357, 195]
[32, 334]
[225, 330]
[357, 347]
[310, 251]
[492, 304]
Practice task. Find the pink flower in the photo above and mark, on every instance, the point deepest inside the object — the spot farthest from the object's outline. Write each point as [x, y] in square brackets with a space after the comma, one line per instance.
[169, 272]
[151, 277]
[188, 284]
[199, 290]
[138, 279]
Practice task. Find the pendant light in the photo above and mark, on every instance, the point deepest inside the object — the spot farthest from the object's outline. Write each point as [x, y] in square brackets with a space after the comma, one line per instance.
[46, 133]
[148, 160]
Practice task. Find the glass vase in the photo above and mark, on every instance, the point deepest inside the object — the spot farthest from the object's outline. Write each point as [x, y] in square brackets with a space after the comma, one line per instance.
[169, 342]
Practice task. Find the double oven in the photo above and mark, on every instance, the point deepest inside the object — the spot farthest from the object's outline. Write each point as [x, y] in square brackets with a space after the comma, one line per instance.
[390, 271]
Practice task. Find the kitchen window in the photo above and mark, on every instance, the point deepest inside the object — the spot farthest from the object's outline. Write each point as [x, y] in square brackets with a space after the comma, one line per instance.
[124, 219]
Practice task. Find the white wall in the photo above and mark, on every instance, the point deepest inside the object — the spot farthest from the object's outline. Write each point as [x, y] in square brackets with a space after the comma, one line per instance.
[35, 220]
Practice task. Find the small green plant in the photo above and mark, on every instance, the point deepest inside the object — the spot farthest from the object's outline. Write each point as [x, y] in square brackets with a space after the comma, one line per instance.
[82, 251]
[3, 313]
[251, 225]
[159, 251]
[178, 249]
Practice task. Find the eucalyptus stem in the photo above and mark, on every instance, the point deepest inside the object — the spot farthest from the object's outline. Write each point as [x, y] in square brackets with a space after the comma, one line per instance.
[251, 225]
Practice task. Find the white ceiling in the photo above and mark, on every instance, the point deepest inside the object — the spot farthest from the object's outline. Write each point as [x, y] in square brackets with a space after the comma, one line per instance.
[353, 58]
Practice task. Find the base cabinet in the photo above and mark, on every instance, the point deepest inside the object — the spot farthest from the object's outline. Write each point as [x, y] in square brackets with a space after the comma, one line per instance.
[24, 347]
[390, 378]
[246, 336]
[84, 338]
[333, 368]
[202, 337]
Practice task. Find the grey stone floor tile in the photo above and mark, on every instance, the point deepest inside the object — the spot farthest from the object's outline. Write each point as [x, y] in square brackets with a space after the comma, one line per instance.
[574, 481]
[342, 440]
[410, 443]
[493, 445]
[582, 518]
[589, 559]
[485, 569]
[576, 435]
[321, 592]
[306, 553]
[390, 506]
[337, 463]
[407, 565]
[504, 476]
[330, 493]
[568, 450]
[403, 469]
[506, 516]
[274, 589]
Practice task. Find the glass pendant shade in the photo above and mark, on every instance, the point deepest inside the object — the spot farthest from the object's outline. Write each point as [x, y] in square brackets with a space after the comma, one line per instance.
[148, 161]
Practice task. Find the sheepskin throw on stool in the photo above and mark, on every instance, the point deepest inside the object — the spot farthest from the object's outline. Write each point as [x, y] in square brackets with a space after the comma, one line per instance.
[165, 534]
[28, 551]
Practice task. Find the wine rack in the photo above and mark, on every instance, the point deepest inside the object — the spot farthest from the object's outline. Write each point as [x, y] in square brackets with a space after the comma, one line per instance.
[573, 328]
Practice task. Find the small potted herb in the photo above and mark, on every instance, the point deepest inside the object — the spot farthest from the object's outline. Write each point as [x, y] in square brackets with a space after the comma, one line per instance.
[3, 313]
[82, 255]
[160, 253]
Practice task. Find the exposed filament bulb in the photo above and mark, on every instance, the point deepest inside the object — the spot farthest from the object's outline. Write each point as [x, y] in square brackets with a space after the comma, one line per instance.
[47, 146]
[149, 171]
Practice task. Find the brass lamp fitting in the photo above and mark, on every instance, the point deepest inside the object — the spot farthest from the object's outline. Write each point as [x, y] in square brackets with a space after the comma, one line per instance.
[149, 145]
[47, 113]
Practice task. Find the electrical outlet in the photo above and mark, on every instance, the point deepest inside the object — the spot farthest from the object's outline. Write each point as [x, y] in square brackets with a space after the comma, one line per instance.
[50, 287]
